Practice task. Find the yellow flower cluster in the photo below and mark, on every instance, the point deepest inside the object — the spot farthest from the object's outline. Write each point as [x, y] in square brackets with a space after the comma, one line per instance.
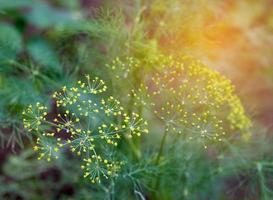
[122, 69]
[46, 147]
[136, 125]
[33, 116]
[95, 167]
[87, 123]
[191, 99]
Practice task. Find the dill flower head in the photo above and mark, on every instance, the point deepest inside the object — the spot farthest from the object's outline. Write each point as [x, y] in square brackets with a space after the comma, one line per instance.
[123, 68]
[87, 122]
[190, 99]
[33, 117]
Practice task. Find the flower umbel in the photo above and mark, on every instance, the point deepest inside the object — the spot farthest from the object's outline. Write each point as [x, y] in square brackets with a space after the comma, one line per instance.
[191, 99]
[88, 124]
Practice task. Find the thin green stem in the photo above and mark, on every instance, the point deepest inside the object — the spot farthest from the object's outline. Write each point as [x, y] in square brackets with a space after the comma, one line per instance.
[136, 152]
[162, 143]
[262, 181]
[159, 154]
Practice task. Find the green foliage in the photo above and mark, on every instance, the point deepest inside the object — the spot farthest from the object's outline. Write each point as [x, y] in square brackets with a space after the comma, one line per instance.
[42, 15]
[10, 42]
[6, 4]
[43, 53]
[200, 145]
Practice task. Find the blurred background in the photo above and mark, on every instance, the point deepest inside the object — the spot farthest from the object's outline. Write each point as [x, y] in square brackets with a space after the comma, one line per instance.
[45, 44]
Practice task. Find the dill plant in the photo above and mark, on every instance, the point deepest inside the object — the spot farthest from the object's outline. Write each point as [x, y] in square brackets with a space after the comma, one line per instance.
[191, 109]
[186, 101]
[89, 124]
[188, 97]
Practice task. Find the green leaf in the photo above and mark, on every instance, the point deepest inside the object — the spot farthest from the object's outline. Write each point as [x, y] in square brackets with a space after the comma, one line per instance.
[10, 42]
[71, 4]
[25, 161]
[13, 4]
[43, 16]
[42, 52]
[17, 94]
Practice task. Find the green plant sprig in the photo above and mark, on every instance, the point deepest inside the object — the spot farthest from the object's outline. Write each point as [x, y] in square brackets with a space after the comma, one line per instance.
[91, 124]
